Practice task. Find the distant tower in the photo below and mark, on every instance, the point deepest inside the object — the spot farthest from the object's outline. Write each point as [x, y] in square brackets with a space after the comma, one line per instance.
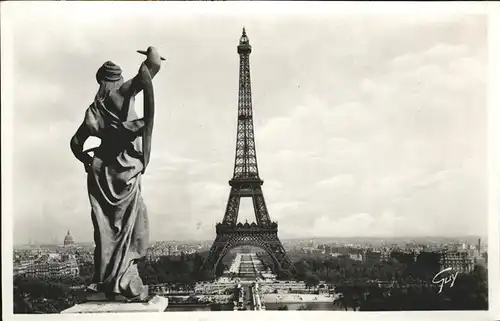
[68, 240]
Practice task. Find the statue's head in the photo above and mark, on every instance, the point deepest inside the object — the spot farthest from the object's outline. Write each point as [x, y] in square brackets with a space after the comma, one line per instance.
[109, 72]
[109, 77]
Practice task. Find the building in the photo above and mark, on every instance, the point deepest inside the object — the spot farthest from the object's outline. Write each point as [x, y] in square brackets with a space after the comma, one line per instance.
[458, 261]
[481, 261]
[68, 240]
[356, 257]
[309, 249]
[49, 265]
[285, 287]
[213, 287]
[372, 256]
[385, 255]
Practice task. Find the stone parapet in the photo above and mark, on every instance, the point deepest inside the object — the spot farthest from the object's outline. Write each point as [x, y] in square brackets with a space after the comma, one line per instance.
[155, 304]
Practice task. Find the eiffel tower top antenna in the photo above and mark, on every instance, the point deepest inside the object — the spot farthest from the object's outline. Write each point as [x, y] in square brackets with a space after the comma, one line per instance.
[244, 46]
[245, 166]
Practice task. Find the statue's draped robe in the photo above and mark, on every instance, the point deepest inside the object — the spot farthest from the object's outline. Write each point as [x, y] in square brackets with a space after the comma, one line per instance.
[119, 216]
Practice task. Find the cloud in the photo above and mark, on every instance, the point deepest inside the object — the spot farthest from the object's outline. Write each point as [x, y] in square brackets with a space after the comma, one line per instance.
[343, 181]
[440, 53]
[407, 136]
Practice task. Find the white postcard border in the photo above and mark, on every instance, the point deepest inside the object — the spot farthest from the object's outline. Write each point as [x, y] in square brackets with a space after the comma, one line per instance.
[300, 8]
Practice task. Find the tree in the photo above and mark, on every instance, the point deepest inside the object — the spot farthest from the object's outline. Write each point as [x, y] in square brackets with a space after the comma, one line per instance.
[220, 268]
[312, 280]
[285, 275]
[215, 307]
[44, 295]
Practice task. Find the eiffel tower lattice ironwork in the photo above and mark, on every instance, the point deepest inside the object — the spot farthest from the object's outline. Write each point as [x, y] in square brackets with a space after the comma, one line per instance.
[246, 183]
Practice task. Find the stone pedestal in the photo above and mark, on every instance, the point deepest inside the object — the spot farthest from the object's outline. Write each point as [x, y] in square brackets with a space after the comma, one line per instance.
[155, 304]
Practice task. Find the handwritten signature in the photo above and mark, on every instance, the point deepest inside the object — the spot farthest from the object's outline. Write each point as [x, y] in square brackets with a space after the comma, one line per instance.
[445, 280]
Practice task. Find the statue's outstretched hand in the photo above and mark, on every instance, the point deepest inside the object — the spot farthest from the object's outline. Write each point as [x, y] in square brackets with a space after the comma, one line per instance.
[152, 62]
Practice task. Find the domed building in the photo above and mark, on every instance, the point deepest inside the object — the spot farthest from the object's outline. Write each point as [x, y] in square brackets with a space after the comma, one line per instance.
[68, 240]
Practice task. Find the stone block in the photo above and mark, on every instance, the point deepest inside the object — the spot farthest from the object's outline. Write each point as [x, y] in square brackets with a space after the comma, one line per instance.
[155, 304]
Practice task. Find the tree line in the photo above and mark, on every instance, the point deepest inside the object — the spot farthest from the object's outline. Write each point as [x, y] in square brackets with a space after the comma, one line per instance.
[407, 278]
[469, 292]
[45, 294]
[404, 267]
[185, 269]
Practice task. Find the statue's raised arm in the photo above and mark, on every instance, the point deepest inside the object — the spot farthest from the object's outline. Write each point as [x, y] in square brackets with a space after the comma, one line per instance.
[143, 81]
[152, 63]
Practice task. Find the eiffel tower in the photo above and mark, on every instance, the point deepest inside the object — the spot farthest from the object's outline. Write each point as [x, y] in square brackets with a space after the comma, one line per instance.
[246, 183]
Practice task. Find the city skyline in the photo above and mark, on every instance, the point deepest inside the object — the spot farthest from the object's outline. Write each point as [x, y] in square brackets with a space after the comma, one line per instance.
[380, 130]
[57, 240]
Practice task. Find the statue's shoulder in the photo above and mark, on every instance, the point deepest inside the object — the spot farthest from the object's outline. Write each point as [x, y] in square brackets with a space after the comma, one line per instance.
[92, 109]
[93, 118]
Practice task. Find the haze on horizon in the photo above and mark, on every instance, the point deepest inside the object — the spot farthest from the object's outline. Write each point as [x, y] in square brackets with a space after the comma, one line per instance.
[365, 126]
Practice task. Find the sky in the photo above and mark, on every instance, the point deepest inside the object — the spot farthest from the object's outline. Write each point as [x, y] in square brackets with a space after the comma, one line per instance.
[365, 125]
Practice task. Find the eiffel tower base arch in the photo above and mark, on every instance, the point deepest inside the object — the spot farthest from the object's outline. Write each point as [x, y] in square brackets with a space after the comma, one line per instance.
[231, 236]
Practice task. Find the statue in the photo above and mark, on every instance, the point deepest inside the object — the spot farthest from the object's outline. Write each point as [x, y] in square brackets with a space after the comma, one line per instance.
[119, 215]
